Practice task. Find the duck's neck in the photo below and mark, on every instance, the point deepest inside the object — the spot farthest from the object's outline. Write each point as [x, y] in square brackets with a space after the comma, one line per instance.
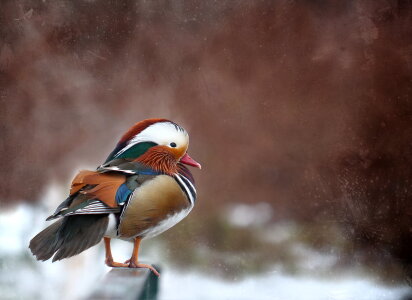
[159, 160]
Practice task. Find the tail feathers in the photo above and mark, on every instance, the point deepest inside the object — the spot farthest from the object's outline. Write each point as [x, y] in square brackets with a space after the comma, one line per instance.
[69, 236]
[46, 242]
[63, 206]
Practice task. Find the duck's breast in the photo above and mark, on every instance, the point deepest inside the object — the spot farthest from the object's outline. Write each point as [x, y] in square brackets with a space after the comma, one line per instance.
[154, 207]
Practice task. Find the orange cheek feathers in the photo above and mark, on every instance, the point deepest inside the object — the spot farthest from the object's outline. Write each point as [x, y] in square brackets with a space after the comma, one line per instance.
[177, 152]
[160, 158]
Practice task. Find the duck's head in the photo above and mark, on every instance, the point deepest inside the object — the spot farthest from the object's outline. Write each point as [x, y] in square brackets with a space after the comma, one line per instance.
[158, 143]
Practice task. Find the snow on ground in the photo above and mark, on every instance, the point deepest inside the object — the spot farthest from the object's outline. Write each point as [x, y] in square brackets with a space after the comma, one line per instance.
[275, 286]
[22, 277]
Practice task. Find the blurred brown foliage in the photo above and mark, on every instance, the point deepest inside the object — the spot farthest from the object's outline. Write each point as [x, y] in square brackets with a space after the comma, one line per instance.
[302, 104]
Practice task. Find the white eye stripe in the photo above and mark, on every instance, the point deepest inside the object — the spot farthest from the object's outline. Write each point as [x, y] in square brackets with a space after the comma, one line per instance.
[162, 133]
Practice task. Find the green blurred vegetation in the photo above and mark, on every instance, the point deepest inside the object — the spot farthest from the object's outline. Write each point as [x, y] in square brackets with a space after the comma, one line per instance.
[211, 244]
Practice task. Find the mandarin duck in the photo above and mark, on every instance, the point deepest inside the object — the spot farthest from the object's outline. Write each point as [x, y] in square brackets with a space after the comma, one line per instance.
[142, 189]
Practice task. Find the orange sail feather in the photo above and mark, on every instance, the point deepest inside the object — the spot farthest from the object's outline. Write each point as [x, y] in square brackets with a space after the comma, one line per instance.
[104, 188]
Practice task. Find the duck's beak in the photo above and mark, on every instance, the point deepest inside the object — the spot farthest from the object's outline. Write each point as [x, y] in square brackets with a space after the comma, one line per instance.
[187, 160]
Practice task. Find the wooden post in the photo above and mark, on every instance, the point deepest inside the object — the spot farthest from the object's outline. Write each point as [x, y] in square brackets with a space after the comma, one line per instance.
[127, 284]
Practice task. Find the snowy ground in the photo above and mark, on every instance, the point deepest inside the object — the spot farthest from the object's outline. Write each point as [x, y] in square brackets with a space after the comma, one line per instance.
[276, 286]
[22, 277]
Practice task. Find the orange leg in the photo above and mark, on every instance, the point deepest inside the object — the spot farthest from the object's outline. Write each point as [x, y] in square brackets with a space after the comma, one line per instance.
[133, 262]
[109, 257]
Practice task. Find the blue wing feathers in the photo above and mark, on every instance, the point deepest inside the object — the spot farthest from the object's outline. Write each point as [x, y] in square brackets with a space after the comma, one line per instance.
[122, 194]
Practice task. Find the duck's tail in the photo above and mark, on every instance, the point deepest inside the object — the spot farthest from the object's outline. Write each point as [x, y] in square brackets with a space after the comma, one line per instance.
[69, 236]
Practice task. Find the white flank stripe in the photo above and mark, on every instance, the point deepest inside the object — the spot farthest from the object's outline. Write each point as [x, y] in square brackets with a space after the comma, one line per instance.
[119, 170]
[188, 181]
[187, 190]
[95, 207]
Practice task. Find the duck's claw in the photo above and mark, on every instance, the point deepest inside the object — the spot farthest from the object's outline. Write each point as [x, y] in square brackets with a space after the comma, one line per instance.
[113, 264]
[137, 265]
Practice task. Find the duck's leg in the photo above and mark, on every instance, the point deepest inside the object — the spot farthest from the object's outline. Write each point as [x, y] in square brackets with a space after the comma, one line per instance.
[134, 263]
[109, 257]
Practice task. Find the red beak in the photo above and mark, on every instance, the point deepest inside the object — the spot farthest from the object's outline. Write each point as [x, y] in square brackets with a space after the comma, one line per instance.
[186, 159]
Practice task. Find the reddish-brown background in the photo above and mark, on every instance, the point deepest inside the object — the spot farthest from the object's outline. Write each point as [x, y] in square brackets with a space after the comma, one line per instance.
[305, 105]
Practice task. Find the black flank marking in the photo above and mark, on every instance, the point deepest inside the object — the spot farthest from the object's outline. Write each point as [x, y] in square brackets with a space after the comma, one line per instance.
[192, 191]
[185, 190]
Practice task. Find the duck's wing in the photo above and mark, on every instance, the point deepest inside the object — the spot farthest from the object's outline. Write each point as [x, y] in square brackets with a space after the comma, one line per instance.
[105, 190]
[91, 193]
[83, 216]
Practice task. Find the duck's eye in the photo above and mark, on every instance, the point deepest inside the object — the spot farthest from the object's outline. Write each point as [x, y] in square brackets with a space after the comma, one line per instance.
[173, 145]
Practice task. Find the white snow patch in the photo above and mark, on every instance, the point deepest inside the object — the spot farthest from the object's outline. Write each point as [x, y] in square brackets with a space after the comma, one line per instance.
[244, 215]
[22, 277]
[274, 286]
